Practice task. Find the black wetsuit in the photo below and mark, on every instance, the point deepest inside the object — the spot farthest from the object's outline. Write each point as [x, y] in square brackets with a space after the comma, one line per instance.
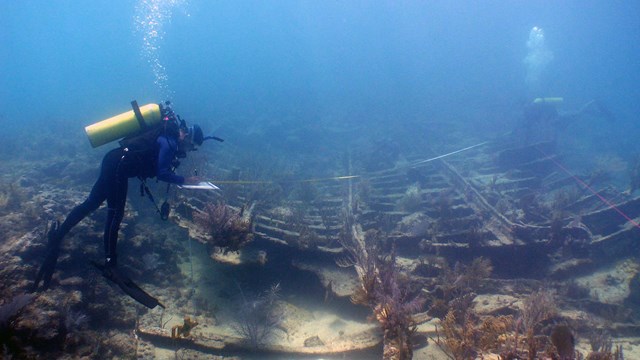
[118, 165]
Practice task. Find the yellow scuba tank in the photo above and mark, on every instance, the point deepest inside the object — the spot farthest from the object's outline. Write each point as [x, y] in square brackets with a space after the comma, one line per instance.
[549, 100]
[125, 124]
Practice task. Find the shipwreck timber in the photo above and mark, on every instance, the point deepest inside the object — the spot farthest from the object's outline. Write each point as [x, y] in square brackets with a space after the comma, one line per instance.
[511, 204]
[501, 201]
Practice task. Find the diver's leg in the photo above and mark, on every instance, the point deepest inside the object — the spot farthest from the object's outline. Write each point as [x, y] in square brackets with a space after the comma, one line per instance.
[54, 240]
[57, 232]
[98, 193]
[93, 202]
[116, 201]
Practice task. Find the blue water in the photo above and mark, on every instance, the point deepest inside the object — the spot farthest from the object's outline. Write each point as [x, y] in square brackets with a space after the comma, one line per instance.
[283, 80]
[365, 63]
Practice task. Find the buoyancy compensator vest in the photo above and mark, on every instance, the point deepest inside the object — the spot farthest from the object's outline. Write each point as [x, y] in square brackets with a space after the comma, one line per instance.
[142, 146]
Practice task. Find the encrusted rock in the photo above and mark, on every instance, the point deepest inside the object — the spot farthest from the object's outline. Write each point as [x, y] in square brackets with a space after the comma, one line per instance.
[496, 305]
[72, 281]
[313, 342]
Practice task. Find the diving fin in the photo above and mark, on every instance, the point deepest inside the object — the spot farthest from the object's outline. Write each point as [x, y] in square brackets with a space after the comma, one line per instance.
[45, 273]
[128, 286]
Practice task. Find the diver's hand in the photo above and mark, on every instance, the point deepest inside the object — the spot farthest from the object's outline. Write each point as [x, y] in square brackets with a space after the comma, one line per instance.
[192, 180]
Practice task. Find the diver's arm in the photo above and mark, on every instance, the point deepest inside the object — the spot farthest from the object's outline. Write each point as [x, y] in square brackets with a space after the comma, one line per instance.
[166, 153]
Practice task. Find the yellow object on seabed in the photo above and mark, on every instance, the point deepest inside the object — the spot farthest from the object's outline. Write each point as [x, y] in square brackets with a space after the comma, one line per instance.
[122, 125]
[549, 100]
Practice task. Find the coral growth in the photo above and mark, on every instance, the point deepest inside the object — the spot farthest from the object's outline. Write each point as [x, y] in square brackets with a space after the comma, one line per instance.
[465, 336]
[258, 316]
[183, 330]
[602, 346]
[617, 354]
[411, 200]
[459, 336]
[395, 304]
[8, 313]
[600, 341]
[75, 320]
[385, 290]
[11, 197]
[457, 283]
[75, 323]
[564, 342]
[151, 261]
[227, 227]
[463, 333]
[11, 309]
[537, 308]
[307, 238]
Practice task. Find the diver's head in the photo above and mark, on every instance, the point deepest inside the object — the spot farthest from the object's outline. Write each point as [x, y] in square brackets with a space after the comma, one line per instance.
[195, 135]
[190, 137]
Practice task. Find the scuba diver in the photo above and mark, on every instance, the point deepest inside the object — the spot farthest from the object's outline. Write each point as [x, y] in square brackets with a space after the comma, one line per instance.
[543, 122]
[152, 152]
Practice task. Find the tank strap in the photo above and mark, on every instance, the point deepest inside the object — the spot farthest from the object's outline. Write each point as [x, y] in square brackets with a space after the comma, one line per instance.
[136, 110]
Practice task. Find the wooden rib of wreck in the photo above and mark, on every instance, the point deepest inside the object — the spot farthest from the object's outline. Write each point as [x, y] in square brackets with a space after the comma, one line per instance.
[504, 202]
[511, 204]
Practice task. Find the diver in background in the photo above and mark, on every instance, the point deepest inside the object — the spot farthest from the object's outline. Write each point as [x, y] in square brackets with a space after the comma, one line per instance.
[543, 122]
[158, 158]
